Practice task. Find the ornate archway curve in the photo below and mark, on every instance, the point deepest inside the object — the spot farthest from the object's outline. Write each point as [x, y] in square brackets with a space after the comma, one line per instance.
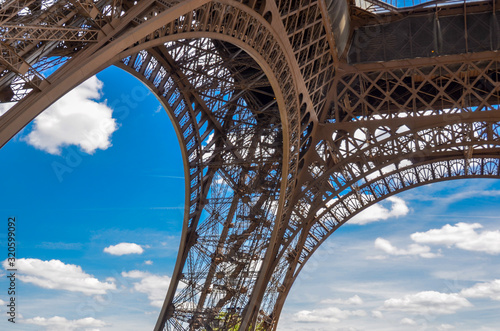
[139, 66]
[348, 180]
[404, 179]
[140, 73]
[486, 166]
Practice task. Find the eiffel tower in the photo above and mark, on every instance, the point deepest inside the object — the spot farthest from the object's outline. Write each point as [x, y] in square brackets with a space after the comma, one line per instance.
[292, 116]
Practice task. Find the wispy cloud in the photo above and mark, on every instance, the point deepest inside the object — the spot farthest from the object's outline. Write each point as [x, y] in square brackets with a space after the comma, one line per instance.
[428, 302]
[354, 300]
[460, 235]
[60, 245]
[447, 193]
[58, 323]
[413, 249]
[154, 286]
[463, 236]
[329, 315]
[407, 321]
[467, 194]
[483, 290]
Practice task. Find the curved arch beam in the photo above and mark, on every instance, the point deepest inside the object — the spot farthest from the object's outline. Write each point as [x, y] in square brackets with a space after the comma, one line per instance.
[167, 72]
[465, 150]
[487, 166]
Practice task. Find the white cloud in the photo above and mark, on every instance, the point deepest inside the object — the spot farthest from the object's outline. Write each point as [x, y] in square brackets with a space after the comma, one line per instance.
[445, 327]
[407, 321]
[463, 236]
[4, 106]
[428, 302]
[413, 249]
[377, 314]
[75, 119]
[378, 212]
[354, 300]
[123, 249]
[483, 290]
[464, 194]
[330, 315]
[153, 285]
[58, 323]
[148, 262]
[57, 275]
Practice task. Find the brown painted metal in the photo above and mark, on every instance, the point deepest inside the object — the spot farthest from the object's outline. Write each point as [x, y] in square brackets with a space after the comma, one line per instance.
[283, 140]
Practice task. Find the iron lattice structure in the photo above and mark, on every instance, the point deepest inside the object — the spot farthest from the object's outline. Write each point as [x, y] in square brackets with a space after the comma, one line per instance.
[292, 116]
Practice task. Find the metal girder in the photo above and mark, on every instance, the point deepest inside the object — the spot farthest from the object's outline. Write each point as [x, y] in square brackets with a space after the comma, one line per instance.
[11, 8]
[47, 33]
[425, 36]
[377, 6]
[17, 66]
[16, 63]
[86, 8]
[283, 140]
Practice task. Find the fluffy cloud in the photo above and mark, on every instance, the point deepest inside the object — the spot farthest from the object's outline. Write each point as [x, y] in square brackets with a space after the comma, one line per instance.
[329, 315]
[153, 285]
[428, 302]
[463, 236]
[407, 321]
[413, 249]
[75, 119]
[57, 275]
[123, 249]
[483, 290]
[378, 212]
[57, 323]
[354, 300]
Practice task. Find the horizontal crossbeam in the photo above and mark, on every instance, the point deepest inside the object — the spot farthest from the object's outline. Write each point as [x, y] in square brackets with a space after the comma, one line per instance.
[47, 33]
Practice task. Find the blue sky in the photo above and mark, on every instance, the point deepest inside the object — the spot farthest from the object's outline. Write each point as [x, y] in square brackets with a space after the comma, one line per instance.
[99, 217]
